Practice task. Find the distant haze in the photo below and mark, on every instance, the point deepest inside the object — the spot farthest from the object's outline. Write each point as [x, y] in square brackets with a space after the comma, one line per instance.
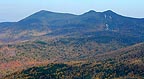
[14, 10]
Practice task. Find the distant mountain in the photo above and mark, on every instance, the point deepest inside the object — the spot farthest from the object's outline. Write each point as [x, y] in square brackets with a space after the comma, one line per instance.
[46, 23]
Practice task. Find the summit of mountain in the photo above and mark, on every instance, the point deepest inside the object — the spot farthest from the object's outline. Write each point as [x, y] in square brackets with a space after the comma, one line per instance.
[47, 16]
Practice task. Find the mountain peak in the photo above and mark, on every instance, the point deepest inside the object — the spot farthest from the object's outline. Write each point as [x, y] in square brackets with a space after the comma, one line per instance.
[92, 11]
[109, 12]
[44, 12]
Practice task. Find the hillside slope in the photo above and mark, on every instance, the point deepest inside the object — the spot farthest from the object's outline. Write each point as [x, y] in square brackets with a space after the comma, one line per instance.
[131, 53]
[126, 63]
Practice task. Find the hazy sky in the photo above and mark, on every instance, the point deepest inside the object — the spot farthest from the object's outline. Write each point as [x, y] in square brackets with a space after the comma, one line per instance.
[14, 10]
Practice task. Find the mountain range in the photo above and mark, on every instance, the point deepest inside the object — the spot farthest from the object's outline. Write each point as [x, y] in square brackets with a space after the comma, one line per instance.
[93, 45]
[51, 24]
